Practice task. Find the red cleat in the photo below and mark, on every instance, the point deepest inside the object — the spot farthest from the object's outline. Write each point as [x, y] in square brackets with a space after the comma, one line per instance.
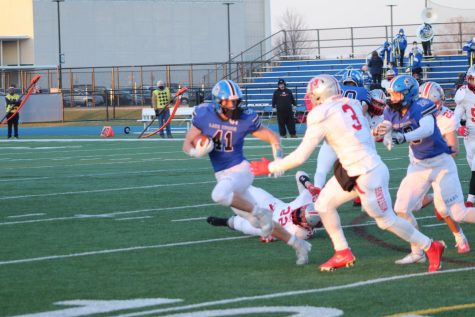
[434, 254]
[343, 258]
[468, 204]
[437, 215]
[268, 239]
[463, 246]
[357, 202]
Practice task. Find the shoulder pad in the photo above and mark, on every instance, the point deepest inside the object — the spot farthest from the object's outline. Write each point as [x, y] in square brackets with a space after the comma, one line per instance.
[460, 94]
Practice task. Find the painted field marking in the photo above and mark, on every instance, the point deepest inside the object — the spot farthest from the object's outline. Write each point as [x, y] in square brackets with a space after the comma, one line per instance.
[27, 215]
[434, 310]
[133, 218]
[119, 250]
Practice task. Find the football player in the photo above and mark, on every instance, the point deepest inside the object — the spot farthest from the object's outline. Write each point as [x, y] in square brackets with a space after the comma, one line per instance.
[409, 118]
[297, 217]
[226, 124]
[465, 100]
[446, 123]
[359, 171]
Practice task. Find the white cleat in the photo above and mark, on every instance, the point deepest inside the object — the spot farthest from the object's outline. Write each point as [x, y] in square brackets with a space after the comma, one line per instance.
[265, 221]
[302, 248]
[412, 258]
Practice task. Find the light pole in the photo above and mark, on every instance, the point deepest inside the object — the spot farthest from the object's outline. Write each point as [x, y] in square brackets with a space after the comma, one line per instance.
[227, 4]
[60, 55]
[391, 12]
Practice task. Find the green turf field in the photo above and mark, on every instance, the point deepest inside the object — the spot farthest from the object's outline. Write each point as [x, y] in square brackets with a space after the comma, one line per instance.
[118, 229]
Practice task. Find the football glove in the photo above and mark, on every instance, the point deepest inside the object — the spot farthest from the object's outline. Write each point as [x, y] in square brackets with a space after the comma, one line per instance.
[463, 131]
[202, 149]
[398, 137]
[260, 167]
[277, 151]
[382, 129]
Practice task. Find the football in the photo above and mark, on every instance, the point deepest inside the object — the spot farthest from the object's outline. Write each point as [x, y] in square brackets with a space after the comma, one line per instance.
[201, 138]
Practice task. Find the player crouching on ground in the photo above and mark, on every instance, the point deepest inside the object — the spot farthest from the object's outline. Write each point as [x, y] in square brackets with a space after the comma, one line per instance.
[226, 124]
[298, 217]
[360, 171]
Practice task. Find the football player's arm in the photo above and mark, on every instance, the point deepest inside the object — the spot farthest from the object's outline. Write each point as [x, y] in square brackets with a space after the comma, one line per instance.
[192, 134]
[458, 113]
[452, 142]
[270, 137]
[312, 137]
[426, 128]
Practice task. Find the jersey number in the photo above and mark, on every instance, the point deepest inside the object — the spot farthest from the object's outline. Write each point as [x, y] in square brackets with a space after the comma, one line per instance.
[357, 124]
[283, 219]
[218, 141]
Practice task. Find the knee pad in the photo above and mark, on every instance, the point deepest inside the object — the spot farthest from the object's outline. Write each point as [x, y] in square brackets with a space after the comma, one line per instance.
[386, 221]
[458, 212]
[222, 196]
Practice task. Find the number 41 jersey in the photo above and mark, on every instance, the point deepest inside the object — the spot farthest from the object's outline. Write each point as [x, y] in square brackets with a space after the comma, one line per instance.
[228, 136]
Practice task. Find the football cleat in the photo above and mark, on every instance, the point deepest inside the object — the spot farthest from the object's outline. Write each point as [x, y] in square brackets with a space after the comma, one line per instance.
[434, 254]
[343, 258]
[302, 248]
[438, 215]
[268, 239]
[412, 258]
[216, 221]
[462, 246]
[357, 202]
[468, 204]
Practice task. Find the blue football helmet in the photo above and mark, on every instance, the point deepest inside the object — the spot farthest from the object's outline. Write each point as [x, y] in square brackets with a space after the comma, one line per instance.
[227, 96]
[352, 77]
[403, 90]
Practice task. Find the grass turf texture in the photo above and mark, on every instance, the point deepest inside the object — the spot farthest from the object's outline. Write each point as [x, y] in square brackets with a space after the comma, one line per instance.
[108, 211]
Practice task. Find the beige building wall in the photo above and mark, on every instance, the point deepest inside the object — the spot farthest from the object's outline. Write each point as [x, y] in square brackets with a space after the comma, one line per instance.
[16, 19]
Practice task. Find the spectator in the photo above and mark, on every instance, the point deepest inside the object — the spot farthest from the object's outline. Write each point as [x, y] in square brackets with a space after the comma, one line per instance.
[375, 65]
[426, 45]
[416, 64]
[469, 47]
[161, 98]
[400, 44]
[366, 76]
[392, 66]
[385, 52]
[283, 100]
[12, 103]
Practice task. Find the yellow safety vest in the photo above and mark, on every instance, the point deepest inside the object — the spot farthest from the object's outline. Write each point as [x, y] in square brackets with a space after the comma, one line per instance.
[162, 98]
[11, 107]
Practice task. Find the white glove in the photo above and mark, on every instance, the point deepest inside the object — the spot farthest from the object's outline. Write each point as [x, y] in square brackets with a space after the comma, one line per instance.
[398, 137]
[200, 150]
[388, 141]
[278, 154]
[382, 129]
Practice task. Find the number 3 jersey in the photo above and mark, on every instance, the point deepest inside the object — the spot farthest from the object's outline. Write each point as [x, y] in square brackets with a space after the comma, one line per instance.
[228, 136]
[425, 148]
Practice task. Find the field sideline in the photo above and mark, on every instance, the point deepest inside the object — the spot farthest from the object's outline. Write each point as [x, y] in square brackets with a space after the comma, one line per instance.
[94, 228]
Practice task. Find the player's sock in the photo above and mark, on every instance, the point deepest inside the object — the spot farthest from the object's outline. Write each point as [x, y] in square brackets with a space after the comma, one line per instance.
[407, 232]
[319, 179]
[459, 235]
[331, 222]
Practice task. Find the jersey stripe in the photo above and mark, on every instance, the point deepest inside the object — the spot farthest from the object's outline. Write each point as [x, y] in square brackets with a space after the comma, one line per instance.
[429, 110]
[425, 93]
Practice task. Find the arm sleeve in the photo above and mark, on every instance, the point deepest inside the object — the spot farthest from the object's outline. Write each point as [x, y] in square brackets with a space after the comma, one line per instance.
[314, 134]
[426, 128]
[458, 113]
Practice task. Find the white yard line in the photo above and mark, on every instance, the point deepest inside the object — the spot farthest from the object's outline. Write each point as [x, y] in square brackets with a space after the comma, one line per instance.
[298, 292]
[27, 215]
[109, 251]
[133, 218]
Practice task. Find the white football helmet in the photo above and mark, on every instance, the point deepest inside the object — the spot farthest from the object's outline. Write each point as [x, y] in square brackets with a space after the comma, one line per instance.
[432, 90]
[378, 102]
[470, 77]
[319, 89]
[390, 74]
[306, 217]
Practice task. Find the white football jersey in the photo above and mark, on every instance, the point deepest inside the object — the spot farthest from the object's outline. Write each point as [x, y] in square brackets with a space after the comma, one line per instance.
[446, 120]
[373, 120]
[465, 109]
[282, 212]
[340, 121]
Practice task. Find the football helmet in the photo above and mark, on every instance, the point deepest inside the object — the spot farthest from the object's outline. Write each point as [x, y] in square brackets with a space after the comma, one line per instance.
[305, 217]
[378, 102]
[352, 77]
[319, 89]
[470, 77]
[403, 90]
[432, 90]
[390, 74]
[227, 96]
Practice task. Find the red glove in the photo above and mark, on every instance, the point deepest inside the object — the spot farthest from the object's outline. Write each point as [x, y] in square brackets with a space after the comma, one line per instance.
[260, 167]
[315, 191]
[463, 131]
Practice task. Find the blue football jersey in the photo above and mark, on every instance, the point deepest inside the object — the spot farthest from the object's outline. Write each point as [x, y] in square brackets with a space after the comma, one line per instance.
[359, 93]
[428, 147]
[228, 136]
